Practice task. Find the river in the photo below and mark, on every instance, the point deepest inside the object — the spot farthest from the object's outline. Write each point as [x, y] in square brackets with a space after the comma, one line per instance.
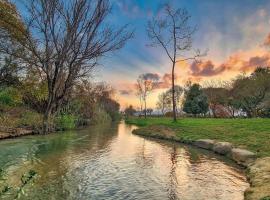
[109, 162]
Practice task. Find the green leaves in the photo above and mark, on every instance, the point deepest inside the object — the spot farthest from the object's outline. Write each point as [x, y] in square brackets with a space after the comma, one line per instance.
[196, 101]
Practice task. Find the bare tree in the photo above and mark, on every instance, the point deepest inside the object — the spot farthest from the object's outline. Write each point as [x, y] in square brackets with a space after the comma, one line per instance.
[140, 93]
[145, 85]
[164, 102]
[161, 102]
[171, 31]
[64, 43]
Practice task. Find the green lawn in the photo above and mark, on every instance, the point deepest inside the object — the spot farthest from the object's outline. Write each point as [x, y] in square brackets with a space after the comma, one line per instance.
[252, 134]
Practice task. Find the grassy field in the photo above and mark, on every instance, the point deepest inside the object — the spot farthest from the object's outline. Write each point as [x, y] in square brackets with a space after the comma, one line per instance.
[252, 134]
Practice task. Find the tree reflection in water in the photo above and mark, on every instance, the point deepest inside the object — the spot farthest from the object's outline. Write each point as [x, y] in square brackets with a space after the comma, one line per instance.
[173, 182]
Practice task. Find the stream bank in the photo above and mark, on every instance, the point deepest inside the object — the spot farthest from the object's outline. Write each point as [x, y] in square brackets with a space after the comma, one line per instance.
[257, 170]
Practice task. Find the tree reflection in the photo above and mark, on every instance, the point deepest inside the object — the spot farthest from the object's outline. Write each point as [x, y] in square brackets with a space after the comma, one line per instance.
[142, 159]
[173, 182]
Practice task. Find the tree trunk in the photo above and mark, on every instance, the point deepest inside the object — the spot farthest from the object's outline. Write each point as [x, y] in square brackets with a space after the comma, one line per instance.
[46, 120]
[47, 115]
[249, 113]
[214, 111]
[141, 102]
[173, 94]
[145, 108]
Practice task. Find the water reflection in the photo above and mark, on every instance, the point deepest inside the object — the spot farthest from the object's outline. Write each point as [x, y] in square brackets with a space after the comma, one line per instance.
[109, 162]
[172, 187]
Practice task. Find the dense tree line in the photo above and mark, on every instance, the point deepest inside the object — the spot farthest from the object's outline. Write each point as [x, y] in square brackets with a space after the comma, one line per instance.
[247, 96]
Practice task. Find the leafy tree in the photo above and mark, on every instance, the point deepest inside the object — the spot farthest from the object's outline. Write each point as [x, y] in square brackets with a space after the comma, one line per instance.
[195, 101]
[11, 25]
[130, 111]
[90, 98]
[12, 30]
[250, 93]
[216, 97]
[112, 107]
[34, 91]
[9, 73]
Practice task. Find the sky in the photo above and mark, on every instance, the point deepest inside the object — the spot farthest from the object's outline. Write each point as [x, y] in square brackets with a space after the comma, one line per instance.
[235, 33]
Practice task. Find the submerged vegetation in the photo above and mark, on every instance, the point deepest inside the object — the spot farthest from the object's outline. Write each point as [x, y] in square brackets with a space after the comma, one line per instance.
[15, 192]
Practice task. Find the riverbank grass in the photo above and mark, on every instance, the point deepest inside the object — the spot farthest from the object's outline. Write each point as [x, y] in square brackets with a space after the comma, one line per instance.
[251, 134]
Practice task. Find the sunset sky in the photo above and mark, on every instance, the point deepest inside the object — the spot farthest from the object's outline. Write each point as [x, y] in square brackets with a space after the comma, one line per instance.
[235, 32]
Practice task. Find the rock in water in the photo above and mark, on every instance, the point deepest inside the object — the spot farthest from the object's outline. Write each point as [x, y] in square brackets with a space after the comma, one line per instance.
[205, 144]
[222, 148]
[242, 156]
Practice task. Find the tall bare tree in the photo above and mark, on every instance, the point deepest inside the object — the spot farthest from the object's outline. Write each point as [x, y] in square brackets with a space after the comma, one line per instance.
[140, 93]
[64, 43]
[172, 31]
[145, 85]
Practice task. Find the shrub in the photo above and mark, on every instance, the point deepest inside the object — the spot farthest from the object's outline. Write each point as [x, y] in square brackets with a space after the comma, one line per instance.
[10, 96]
[100, 116]
[31, 119]
[265, 198]
[65, 122]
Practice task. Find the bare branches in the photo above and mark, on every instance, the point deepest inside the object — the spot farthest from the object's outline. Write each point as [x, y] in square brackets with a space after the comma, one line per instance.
[145, 85]
[172, 31]
[66, 39]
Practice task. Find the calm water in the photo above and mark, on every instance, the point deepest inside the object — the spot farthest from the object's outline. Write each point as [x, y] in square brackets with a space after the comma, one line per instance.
[109, 162]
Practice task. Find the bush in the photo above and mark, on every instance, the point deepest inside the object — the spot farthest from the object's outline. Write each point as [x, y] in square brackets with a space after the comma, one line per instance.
[31, 119]
[10, 96]
[65, 122]
[100, 116]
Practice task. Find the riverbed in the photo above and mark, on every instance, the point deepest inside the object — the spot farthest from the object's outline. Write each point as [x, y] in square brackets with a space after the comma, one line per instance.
[109, 162]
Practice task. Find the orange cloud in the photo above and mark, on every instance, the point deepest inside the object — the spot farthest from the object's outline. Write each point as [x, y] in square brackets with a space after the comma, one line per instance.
[205, 68]
[267, 40]
[165, 82]
[256, 61]
[244, 61]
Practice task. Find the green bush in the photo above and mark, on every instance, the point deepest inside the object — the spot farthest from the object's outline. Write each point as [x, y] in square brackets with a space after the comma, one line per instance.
[265, 198]
[10, 96]
[65, 122]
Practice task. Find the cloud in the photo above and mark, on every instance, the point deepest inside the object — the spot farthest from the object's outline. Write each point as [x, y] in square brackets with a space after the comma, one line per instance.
[129, 8]
[206, 68]
[151, 76]
[256, 61]
[126, 92]
[165, 82]
[267, 40]
[243, 61]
